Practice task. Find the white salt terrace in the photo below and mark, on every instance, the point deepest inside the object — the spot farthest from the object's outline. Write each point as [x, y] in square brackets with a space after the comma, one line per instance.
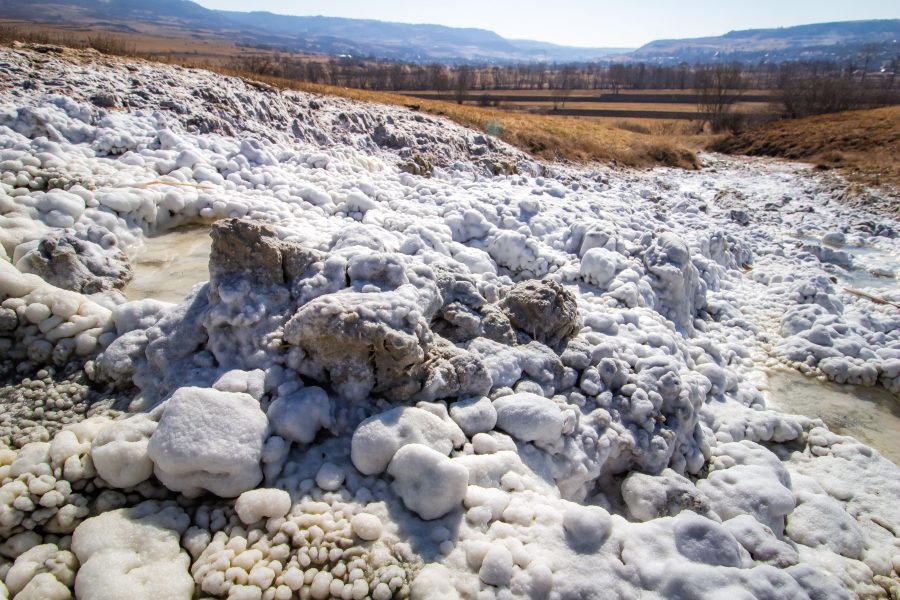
[566, 382]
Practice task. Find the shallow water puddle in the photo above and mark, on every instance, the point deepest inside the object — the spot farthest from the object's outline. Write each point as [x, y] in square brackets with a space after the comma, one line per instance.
[167, 266]
[871, 415]
[873, 266]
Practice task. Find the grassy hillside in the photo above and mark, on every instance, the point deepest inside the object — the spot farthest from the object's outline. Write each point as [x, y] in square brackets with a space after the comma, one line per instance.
[864, 145]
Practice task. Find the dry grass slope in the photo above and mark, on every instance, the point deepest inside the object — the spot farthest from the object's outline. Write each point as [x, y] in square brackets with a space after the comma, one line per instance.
[864, 145]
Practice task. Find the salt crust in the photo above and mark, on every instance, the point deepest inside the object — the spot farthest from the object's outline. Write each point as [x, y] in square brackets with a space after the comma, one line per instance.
[647, 368]
[209, 440]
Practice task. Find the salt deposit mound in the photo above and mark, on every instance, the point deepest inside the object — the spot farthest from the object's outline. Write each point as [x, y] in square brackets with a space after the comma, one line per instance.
[490, 378]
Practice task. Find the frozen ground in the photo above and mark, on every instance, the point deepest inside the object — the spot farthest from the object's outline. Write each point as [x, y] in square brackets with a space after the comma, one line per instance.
[423, 365]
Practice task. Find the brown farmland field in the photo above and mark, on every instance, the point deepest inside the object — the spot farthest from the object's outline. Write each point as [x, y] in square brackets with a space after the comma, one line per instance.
[634, 104]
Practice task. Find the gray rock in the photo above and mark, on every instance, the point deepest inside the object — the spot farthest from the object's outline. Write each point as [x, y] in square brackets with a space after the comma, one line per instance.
[650, 497]
[360, 350]
[78, 265]
[381, 342]
[245, 248]
[9, 321]
[543, 309]
[105, 100]
[452, 372]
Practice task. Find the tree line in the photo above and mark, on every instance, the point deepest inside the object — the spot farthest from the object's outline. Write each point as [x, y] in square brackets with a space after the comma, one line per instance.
[803, 88]
[379, 75]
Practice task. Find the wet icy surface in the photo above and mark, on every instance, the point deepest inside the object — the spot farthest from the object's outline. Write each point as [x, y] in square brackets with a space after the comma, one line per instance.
[874, 266]
[168, 265]
[871, 415]
[411, 382]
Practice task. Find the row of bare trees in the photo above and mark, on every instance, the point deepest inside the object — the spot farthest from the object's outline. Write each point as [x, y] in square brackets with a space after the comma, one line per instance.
[801, 88]
[465, 79]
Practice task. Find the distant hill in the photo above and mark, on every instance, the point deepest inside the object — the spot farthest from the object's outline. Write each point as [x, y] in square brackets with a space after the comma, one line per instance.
[315, 34]
[821, 41]
[184, 13]
[402, 41]
[436, 43]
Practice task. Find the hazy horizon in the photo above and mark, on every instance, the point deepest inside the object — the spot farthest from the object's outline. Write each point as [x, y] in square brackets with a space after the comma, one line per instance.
[585, 23]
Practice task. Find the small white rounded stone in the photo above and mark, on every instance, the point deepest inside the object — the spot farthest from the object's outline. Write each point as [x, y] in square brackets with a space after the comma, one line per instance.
[330, 477]
[254, 505]
[366, 526]
[321, 585]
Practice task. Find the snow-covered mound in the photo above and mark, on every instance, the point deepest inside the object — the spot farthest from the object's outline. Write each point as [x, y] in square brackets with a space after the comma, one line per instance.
[423, 365]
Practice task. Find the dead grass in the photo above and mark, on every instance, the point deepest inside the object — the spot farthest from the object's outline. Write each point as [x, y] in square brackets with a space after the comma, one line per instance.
[102, 41]
[580, 92]
[864, 145]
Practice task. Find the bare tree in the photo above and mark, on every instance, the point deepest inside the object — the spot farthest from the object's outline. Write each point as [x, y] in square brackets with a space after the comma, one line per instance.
[463, 80]
[868, 52]
[616, 77]
[895, 65]
[560, 95]
[718, 87]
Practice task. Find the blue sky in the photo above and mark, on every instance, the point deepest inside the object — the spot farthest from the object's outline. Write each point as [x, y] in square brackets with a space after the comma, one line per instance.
[585, 22]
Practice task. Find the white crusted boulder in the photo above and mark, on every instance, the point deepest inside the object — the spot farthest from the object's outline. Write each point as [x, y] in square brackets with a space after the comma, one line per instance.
[474, 415]
[366, 526]
[209, 440]
[680, 291]
[298, 417]
[120, 454]
[587, 527]
[430, 484]
[378, 438]
[133, 553]
[433, 583]
[42, 573]
[599, 266]
[529, 417]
